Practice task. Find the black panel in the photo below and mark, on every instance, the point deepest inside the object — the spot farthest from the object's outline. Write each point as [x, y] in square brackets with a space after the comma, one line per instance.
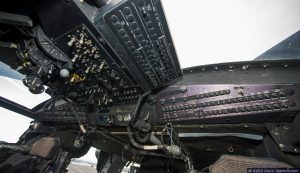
[95, 72]
[57, 17]
[138, 33]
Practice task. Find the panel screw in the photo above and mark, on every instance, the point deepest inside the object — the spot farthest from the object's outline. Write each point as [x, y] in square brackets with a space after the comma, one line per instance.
[281, 145]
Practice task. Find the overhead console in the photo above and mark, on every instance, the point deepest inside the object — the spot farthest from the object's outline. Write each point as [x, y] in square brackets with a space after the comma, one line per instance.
[138, 33]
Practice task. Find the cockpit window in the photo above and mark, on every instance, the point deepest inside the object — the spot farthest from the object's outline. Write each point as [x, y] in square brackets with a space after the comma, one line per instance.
[14, 90]
[214, 31]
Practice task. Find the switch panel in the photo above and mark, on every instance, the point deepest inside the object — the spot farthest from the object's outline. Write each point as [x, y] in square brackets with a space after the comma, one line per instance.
[62, 114]
[226, 103]
[138, 33]
[95, 76]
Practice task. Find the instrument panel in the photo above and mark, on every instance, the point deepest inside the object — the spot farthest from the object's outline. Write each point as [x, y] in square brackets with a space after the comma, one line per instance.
[194, 104]
[112, 55]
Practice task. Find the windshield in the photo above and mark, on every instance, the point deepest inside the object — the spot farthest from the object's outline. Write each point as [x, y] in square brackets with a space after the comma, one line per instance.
[216, 31]
[12, 88]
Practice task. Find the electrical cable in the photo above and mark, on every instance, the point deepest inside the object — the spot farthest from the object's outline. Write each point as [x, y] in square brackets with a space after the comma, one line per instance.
[185, 154]
[143, 147]
[76, 117]
[51, 102]
[142, 137]
[162, 135]
[137, 107]
[133, 120]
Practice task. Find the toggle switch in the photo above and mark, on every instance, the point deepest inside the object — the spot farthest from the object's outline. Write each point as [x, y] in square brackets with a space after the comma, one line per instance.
[74, 58]
[71, 42]
[81, 38]
[87, 70]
